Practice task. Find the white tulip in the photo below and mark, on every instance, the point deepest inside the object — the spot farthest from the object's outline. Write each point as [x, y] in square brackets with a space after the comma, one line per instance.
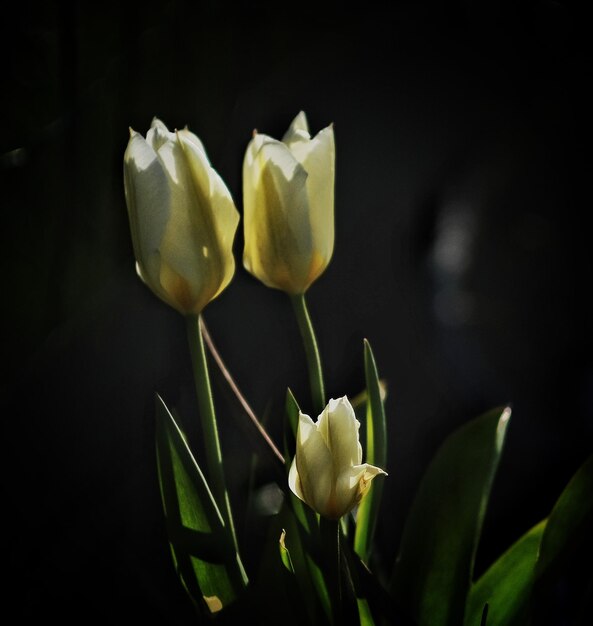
[182, 218]
[288, 198]
[327, 472]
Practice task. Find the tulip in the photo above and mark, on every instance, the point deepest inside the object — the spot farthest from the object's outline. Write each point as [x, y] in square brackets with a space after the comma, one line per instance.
[182, 218]
[327, 472]
[288, 197]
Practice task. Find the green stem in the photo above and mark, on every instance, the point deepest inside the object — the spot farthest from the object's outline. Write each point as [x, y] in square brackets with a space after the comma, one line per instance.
[330, 542]
[209, 427]
[311, 350]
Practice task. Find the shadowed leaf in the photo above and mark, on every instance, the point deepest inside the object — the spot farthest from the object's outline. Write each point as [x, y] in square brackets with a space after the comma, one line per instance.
[202, 549]
[376, 454]
[506, 586]
[433, 571]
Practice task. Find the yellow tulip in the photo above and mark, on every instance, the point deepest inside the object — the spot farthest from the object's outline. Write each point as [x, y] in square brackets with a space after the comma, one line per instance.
[327, 472]
[182, 218]
[288, 198]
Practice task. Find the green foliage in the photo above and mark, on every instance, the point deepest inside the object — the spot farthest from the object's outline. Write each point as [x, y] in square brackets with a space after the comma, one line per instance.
[567, 545]
[510, 584]
[506, 585]
[201, 545]
[376, 454]
[569, 520]
[433, 571]
[432, 578]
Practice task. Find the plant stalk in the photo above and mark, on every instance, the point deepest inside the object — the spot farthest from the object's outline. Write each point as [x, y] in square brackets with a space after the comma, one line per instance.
[311, 350]
[330, 542]
[209, 426]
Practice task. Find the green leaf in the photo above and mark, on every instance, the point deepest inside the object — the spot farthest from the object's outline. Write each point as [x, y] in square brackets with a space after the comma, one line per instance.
[376, 454]
[201, 545]
[566, 546]
[484, 618]
[292, 410]
[569, 517]
[359, 401]
[370, 594]
[433, 571]
[506, 585]
[291, 424]
[364, 613]
[308, 575]
[284, 553]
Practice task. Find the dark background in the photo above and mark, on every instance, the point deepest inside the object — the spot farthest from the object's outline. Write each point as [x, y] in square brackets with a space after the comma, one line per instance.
[463, 182]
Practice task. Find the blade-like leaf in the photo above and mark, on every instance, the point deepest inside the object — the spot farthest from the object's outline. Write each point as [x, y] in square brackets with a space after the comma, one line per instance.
[284, 553]
[570, 515]
[364, 613]
[567, 547]
[433, 571]
[291, 411]
[506, 585]
[373, 600]
[376, 454]
[308, 575]
[202, 547]
[359, 401]
[484, 619]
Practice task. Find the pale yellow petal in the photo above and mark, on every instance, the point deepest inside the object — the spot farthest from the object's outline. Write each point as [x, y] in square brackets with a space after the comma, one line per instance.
[298, 130]
[314, 465]
[190, 261]
[158, 134]
[294, 481]
[339, 428]
[223, 216]
[352, 484]
[317, 157]
[187, 135]
[289, 210]
[148, 202]
[278, 241]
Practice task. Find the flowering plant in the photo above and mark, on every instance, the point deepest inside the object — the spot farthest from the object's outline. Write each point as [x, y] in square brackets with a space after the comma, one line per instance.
[321, 564]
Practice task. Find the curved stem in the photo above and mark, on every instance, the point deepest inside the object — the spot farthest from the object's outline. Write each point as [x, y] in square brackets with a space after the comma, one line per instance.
[311, 350]
[208, 419]
[240, 397]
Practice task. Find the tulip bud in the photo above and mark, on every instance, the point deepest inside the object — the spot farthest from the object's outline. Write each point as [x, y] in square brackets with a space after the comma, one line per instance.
[327, 472]
[182, 218]
[288, 197]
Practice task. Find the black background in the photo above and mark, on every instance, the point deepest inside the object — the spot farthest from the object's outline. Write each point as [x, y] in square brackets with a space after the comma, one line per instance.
[463, 186]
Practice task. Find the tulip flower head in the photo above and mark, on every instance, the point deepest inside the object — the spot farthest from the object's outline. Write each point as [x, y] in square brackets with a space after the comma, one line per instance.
[288, 197]
[327, 472]
[182, 218]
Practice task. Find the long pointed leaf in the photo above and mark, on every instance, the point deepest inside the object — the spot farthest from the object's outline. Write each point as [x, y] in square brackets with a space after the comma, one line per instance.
[310, 576]
[376, 454]
[566, 546]
[571, 513]
[433, 571]
[506, 585]
[201, 546]
[291, 412]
